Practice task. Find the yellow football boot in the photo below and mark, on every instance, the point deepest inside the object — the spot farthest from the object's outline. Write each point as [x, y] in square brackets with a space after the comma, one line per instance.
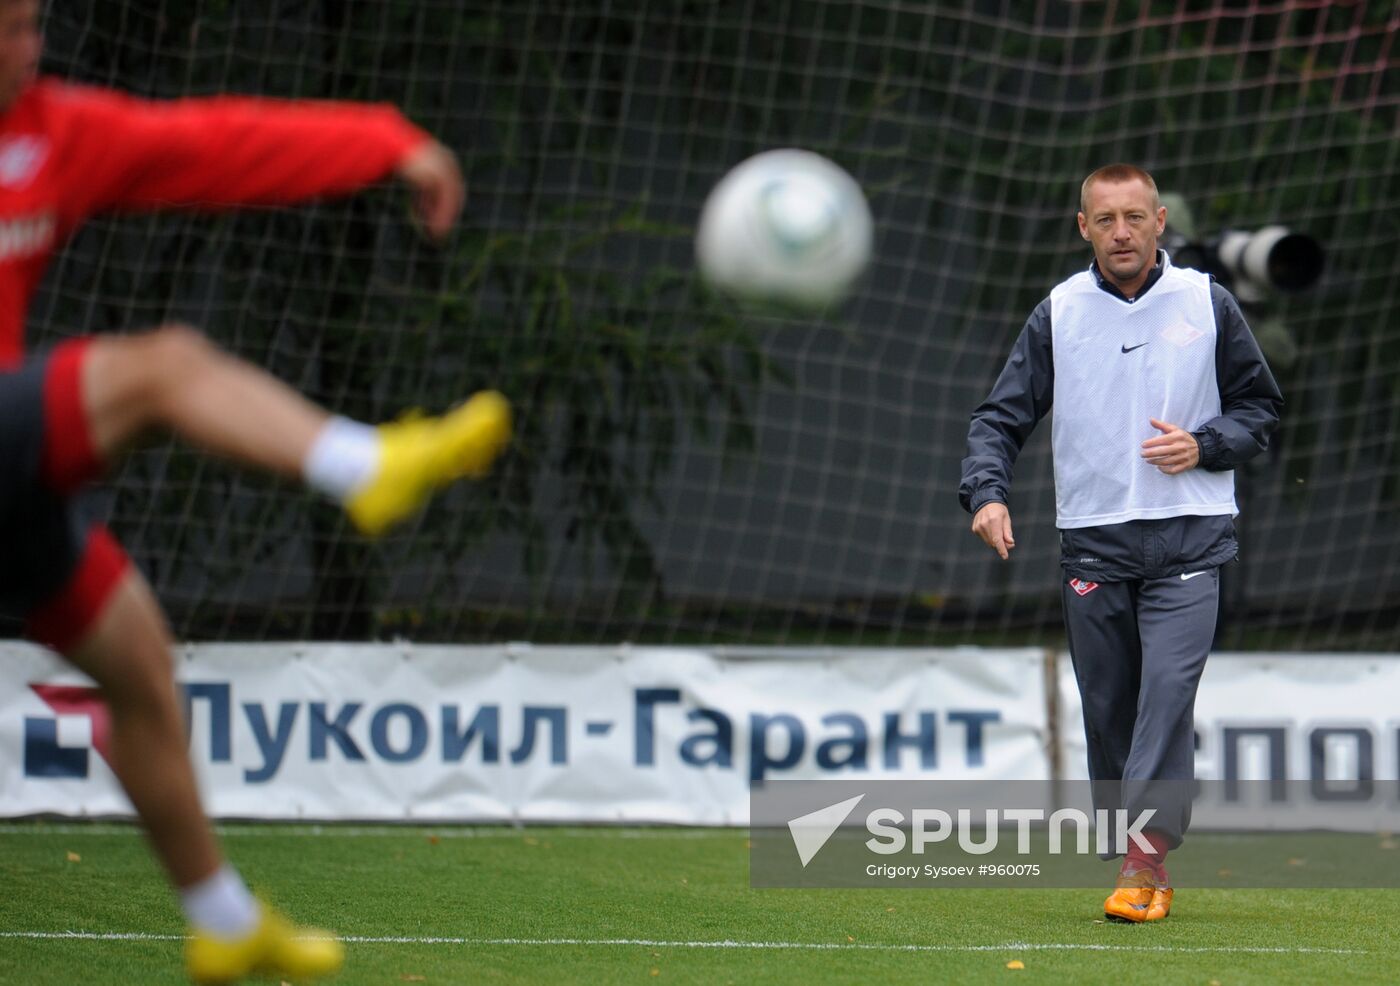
[1131, 897]
[1161, 904]
[276, 948]
[418, 456]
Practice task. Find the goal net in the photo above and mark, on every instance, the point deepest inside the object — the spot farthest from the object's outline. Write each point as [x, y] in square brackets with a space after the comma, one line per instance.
[687, 471]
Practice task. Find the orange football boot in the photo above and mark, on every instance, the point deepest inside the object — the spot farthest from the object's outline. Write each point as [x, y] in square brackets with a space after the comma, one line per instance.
[1161, 904]
[1131, 898]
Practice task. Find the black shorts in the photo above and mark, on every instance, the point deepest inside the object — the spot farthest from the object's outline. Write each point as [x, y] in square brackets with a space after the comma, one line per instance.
[58, 565]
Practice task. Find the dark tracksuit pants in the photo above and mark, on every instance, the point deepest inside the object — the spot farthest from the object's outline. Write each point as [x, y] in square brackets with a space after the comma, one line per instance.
[1138, 649]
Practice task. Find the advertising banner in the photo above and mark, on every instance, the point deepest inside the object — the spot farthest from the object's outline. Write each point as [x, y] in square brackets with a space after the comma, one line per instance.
[1306, 740]
[518, 732]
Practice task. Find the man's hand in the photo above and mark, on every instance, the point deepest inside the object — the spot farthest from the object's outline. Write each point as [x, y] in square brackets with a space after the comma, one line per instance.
[993, 524]
[1173, 451]
[438, 189]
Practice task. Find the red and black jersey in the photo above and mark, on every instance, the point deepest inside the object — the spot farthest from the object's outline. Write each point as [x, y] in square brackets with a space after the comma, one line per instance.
[68, 152]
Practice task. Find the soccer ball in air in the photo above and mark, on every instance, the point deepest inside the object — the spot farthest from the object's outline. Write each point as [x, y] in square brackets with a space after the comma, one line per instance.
[785, 226]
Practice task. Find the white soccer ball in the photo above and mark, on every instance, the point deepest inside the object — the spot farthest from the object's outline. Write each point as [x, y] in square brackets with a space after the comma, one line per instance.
[785, 226]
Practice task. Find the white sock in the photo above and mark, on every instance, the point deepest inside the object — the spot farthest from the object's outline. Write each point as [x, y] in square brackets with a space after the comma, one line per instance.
[342, 458]
[221, 904]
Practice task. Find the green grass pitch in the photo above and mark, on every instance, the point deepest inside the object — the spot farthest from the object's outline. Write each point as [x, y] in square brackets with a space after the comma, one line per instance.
[570, 905]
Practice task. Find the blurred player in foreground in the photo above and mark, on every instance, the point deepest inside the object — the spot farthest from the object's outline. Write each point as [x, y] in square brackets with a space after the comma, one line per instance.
[67, 152]
[1159, 391]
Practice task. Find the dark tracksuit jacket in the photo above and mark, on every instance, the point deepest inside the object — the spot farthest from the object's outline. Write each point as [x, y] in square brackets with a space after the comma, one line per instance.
[1140, 596]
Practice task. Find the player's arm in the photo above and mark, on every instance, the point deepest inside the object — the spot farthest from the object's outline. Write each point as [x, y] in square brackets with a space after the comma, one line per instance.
[1250, 401]
[1000, 427]
[219, 152]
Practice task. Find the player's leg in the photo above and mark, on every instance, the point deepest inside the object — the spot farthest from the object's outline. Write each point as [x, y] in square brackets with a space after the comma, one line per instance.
[127, 649]
[1176, 618]
[1101, 625]
[1102, 632]
[173, 378]
[79, 595]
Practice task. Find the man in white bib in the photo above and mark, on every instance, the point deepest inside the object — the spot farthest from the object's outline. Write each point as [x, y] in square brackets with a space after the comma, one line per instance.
[1159, 391]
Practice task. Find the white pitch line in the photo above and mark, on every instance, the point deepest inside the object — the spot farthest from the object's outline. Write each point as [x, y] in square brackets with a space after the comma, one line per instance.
[415, 830]
[852, 946]
[1012, 946]
[93, 935]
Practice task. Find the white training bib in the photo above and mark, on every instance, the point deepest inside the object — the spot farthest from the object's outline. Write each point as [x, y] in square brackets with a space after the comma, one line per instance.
[1117, 365]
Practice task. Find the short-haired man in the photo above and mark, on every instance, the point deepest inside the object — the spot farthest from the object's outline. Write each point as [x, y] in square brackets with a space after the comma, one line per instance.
[1159, 391]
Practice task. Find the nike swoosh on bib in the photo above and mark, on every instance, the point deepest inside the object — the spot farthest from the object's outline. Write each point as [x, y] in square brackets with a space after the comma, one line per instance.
[1129, 349]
